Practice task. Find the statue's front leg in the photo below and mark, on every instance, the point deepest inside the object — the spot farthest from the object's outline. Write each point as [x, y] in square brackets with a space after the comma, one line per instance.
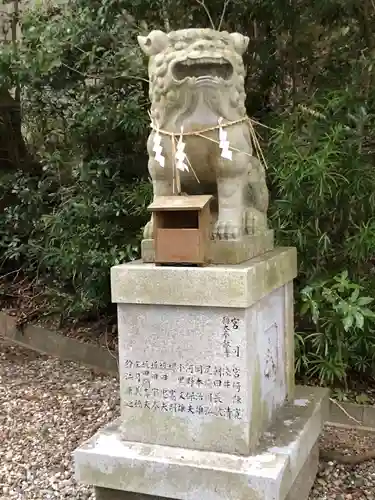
[231, 183]
[161, 185]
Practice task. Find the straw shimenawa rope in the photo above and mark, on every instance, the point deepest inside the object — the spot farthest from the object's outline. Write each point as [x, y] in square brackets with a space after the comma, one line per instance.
[201, 132]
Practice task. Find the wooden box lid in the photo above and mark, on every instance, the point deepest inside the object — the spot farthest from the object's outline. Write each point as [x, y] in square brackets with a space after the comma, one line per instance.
[174, 203]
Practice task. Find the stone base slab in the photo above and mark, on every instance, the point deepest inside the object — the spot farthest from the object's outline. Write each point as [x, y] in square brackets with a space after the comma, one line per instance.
[225, 251]
[285, 455]
[108, 494]
[299, 491]
[306, 477]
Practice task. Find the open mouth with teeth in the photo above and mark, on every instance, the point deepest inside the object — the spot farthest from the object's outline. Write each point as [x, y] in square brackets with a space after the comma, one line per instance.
[203, 69]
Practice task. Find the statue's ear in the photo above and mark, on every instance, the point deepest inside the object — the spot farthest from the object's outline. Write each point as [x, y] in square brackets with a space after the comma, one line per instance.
[154, 43]
[240, 42]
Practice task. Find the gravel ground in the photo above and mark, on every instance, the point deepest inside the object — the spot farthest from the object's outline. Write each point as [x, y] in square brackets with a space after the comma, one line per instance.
[345, 482]
[48, 407]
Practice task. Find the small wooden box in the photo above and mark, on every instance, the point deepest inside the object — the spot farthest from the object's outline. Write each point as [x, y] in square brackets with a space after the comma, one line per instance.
[181, 229]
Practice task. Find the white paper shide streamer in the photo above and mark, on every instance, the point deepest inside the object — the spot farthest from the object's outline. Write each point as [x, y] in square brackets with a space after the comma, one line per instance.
[224, 143]
[158, 149]
[180, 157]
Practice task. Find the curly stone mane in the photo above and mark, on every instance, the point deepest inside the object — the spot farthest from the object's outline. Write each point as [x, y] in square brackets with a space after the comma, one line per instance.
[171, 98]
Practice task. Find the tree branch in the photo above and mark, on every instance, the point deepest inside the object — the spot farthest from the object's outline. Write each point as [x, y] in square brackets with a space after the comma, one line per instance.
[226, 3]
[97, 77]
[164, 10]
[201, 2]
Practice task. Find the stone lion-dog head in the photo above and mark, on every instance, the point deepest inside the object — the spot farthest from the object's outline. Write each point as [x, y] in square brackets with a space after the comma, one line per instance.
[186, 63]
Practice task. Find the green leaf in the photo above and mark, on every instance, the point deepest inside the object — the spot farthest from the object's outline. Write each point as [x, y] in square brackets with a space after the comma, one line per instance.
[348, 322]
[304, 308]
[359, 320]
[368, 313]
[354, 295]
[363, 301]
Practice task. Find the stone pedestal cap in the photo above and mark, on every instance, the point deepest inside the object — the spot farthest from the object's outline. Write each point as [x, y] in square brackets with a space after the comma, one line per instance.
[239, 285]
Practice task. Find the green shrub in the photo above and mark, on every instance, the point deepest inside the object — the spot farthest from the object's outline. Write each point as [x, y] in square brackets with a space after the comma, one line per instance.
[84, 106]
[339, 333]
[323, 185]
[321, 172]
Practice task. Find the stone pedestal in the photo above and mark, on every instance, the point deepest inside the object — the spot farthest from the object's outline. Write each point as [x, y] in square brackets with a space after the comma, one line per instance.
[208, 405]
[225, 251]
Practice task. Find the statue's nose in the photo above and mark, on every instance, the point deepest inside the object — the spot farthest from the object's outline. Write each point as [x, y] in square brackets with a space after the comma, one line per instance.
[204, 46]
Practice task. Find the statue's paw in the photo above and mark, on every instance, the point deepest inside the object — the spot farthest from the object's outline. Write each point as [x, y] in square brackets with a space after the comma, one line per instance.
[148, 231]
[224, 230]
[256, 222]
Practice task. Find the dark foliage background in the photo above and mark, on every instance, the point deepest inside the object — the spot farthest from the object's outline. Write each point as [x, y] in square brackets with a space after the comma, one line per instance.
[74, 203]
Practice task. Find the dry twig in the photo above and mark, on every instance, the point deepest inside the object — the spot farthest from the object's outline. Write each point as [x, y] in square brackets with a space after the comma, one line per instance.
[17, 271]
[344, 411]
[167, 24]
[201, 2]
[226, 3]
[98, 77]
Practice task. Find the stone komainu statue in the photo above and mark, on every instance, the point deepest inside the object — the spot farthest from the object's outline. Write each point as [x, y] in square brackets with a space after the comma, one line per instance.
[197, 78]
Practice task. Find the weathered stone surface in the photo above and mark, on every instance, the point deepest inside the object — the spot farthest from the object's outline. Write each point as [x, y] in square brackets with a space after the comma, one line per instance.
[300, 489]
[200, 377]
[225, 251]
[196, 83]
[52, 343]
[108, 494]
[217, 286]
[107, 461]
[306, 477]
[289, 338]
